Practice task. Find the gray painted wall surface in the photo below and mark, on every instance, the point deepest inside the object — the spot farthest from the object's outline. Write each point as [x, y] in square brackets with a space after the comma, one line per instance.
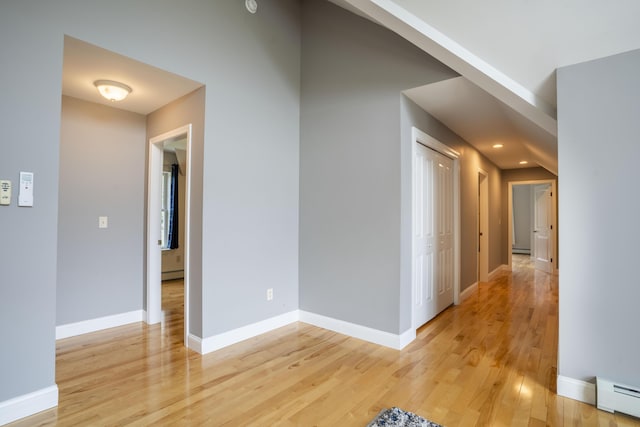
[102, 165]
[250, 65]
[598, 153]
[350, 163]
[30, 121]
[187, 110]
[251, 166]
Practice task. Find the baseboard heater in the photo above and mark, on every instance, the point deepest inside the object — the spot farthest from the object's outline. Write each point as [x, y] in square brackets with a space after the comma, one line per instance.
[613, 397]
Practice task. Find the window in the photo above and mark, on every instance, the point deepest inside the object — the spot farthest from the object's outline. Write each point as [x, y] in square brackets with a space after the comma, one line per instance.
[164, 215]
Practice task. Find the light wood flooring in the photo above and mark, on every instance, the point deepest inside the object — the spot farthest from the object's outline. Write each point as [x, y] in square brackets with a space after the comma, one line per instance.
[490, 361]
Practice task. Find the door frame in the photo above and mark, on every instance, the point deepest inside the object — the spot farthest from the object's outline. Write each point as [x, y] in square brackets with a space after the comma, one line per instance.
[483, 226]
[420, 137]
[554, 218]
[154, 262]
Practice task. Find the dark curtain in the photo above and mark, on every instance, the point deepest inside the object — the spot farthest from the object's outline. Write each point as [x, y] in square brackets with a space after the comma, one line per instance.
[172, 242]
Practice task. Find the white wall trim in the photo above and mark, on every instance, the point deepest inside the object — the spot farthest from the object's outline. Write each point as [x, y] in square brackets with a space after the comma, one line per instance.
[93, 325]
[406, 338]
[225, 339]
[470, 290]
[576, 389]
[194, 343]
[28, 404]
[387, 339]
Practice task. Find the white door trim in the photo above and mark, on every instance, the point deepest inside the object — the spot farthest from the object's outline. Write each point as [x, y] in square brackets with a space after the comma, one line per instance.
[418, 136]
[154, 289]
[483, 226]
[554, 217]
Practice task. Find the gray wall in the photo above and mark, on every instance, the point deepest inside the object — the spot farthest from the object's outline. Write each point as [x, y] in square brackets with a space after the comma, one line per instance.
[251, 166]
[188, 110]
[355, 169]
[30, 121]
[352, 74]
[598, 153]
[250, 65]
[102, 163]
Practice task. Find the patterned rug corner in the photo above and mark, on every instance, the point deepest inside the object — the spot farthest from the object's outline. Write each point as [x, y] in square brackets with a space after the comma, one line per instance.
[396, 417]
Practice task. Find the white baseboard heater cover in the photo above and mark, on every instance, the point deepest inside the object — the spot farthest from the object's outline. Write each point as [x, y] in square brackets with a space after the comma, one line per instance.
[614, 397]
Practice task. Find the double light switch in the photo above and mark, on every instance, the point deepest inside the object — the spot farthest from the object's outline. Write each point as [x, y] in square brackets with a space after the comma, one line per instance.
[5, 192]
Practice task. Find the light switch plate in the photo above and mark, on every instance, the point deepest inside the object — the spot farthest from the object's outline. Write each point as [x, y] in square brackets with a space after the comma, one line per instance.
[103, 222]
[5, 192]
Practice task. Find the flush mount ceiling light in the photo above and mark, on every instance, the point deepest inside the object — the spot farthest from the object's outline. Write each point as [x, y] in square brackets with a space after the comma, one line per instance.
[113, 91]
[251, 5]
[498, 145]
[524, 162]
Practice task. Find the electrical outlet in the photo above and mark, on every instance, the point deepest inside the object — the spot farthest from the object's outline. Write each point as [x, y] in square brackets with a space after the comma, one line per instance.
[269, 294]
[103, 222]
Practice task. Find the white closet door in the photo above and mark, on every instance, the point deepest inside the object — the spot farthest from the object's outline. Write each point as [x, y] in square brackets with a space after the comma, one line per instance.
[433, 234]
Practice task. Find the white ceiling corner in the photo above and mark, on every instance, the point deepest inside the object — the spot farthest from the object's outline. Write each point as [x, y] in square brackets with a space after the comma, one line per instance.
[511, 50]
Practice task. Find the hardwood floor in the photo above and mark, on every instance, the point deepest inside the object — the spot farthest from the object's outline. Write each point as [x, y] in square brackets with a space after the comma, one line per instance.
[490, 361]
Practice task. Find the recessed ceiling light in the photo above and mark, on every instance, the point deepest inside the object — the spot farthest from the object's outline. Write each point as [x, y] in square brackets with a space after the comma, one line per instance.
[524, 162]
[498, 145]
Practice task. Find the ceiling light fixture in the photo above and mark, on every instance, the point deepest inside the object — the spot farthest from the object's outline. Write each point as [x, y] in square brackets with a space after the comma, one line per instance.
[498, 145]
[113, 91]
[523, 162]
[251, 5]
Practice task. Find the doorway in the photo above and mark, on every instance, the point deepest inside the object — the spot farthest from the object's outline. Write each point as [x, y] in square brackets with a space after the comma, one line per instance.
[532, 223]
[435, 260]
[157, 146]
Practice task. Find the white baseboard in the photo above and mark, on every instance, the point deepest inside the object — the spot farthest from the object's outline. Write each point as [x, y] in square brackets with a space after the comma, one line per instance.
[93, 325]
[470, 290]
[576, 389]
[387, 339]
[216, 342]
[28, 404]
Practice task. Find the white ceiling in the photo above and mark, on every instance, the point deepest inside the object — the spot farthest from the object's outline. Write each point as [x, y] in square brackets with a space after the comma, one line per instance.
[152, 87]
[507, 52]
[484, 121]
[529, 40]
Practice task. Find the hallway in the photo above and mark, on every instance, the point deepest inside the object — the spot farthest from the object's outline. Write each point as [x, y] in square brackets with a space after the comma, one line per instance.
[490, 361]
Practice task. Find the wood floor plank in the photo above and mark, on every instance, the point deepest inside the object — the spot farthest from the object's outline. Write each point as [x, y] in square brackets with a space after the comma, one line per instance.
[490, 361]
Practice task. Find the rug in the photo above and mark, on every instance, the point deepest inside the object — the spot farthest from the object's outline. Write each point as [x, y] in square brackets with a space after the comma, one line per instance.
[396, 417]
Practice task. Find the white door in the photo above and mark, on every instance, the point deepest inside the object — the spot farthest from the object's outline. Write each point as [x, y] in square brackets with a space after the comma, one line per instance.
[542, 241]
[444, 220]
[433, 234]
